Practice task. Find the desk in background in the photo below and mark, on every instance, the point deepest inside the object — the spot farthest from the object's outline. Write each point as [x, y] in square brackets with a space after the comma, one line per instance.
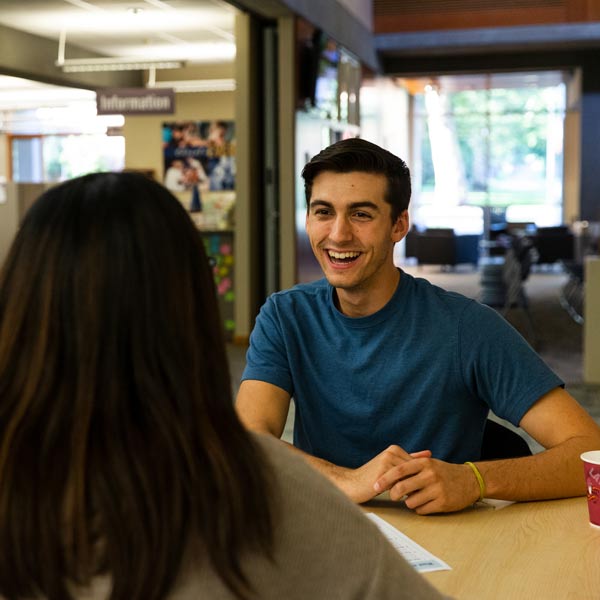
[530, 550]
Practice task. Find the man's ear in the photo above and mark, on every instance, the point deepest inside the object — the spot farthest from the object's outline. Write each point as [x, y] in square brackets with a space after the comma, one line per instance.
[400, 227]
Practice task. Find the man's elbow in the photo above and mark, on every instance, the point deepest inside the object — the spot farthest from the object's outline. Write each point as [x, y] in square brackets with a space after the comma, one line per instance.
[257, 424]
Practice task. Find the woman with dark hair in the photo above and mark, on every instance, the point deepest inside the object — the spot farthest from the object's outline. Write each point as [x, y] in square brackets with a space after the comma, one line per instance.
[124, 472]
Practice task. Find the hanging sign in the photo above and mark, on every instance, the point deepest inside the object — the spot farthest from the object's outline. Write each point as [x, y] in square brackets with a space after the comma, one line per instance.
[135, 101]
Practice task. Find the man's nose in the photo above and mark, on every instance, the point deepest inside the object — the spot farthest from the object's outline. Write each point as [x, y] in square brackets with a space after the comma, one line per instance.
[341, 229]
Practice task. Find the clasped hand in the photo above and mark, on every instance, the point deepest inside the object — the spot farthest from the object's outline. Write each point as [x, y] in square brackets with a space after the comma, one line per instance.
[427, 484]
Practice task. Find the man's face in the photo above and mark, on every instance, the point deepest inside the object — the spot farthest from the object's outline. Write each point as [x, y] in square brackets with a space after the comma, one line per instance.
[350, 228]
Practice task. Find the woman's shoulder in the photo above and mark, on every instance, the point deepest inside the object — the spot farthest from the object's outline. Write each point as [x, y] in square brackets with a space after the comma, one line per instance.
[342, 552]
[304, 492]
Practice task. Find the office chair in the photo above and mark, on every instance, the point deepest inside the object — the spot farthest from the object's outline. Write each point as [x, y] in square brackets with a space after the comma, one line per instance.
[573, 291]
[502, 283]
[501, 442]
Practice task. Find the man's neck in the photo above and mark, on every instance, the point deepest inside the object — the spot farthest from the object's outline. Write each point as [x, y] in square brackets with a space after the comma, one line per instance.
[367, 300]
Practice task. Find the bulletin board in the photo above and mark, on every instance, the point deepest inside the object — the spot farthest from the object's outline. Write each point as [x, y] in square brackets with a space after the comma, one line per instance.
[219, 247]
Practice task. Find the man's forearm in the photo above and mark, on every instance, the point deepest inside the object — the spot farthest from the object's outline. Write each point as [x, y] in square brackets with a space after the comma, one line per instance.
[336, 474]
[553, 473]
[359, 484]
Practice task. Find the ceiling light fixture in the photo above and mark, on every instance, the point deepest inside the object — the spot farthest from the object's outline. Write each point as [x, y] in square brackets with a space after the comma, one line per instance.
[87, 65]
[196, 85]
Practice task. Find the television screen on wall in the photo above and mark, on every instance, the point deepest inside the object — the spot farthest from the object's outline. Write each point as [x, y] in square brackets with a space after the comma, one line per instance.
[319, 65]
[326, 85]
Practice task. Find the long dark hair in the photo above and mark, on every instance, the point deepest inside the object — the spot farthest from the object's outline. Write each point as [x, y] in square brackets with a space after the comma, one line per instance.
[119, 446]
[355, 154]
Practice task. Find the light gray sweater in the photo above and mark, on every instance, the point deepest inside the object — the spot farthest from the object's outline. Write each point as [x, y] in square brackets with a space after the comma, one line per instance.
[325, 548]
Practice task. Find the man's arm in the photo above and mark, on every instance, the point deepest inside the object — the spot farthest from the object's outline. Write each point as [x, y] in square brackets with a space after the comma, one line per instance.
[556, 421]
[263, 407]
[357, 484]
[559, 423]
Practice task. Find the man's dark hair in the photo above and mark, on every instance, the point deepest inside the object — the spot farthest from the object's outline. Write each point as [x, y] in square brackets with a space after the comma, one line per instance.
[355, 154]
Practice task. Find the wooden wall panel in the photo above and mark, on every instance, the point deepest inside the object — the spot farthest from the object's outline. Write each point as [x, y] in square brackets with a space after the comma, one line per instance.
[583, 10]
[391, 16]
[435, 6]
[592, 10]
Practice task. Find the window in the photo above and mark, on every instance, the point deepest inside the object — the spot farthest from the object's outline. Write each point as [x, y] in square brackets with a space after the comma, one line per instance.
[51, 158]
[489, 144]
[54, 133]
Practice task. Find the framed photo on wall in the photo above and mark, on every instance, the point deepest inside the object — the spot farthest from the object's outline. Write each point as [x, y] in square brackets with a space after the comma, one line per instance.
[199, 153]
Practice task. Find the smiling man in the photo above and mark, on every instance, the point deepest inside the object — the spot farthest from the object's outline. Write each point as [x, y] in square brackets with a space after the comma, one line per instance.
[392, 377]
[352, 233]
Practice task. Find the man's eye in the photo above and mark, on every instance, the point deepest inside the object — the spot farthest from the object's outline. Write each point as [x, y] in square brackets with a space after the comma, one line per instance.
[362, 215]
[322, 211]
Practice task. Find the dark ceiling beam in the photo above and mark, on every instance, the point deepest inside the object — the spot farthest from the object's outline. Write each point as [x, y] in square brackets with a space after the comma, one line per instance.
[330, 16]
[485, 49]
[410, 66]
[32, 57]
[498, 48]
[490, 39]
[267, 9]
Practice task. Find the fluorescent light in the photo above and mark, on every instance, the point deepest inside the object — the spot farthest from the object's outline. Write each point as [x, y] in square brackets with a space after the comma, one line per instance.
[86, 65]
[197, 85]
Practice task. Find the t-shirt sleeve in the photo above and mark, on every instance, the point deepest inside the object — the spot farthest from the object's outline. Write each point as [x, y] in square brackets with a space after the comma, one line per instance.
[267, 356]
[499, 365]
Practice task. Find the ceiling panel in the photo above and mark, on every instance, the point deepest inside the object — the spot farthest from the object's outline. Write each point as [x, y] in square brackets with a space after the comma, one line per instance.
[17, 93]
[191, 30]
[195, 31]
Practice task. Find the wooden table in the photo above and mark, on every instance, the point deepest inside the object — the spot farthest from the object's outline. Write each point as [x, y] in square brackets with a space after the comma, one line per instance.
[530, 550]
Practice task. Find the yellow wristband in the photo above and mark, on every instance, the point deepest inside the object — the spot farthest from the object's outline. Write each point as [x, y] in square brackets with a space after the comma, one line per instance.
[479, 479]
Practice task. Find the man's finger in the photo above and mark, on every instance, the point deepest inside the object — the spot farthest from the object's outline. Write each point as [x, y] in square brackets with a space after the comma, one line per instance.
[421, 454]
[395, 474]
[398, 451]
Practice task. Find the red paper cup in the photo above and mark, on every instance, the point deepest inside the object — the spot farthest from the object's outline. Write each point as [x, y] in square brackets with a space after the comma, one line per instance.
[591, 469]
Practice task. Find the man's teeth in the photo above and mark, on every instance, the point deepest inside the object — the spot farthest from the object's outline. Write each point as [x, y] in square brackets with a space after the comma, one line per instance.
[341, 255]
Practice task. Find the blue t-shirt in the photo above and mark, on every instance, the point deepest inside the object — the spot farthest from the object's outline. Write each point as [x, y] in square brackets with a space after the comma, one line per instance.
[422, 372]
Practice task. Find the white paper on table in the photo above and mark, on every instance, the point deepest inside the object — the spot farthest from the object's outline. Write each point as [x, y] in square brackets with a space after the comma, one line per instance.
[496, 504]
[422, 560]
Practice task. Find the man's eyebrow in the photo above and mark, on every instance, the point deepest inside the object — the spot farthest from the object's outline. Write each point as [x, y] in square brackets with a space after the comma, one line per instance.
[351, 206]
[364, 204]
[314, 203]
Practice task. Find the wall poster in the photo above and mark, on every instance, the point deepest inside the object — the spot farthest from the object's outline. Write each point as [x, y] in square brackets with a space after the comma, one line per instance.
[199, 168]
[199, 162]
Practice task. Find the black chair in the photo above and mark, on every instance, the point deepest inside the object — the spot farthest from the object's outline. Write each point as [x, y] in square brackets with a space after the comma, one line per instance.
[554, 244]
[501, 442]
[436, 247]
[572, 293]
[502, 283]
[410, 242]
